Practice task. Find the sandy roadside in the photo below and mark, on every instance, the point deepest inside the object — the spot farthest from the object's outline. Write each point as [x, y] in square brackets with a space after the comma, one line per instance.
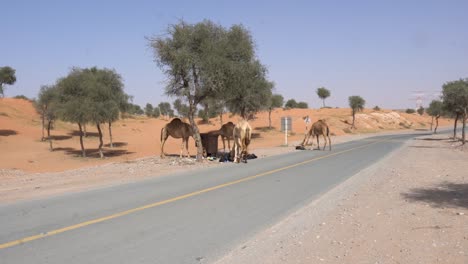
[17, 185]
[411, 207]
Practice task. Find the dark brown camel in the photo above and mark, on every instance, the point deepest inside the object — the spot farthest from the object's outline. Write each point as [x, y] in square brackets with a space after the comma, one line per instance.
[242, 134]
[226, 133]
[176, 129]
[319, 128]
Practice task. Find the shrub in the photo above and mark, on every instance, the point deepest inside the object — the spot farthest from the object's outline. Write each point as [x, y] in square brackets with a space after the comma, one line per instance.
[410, 111]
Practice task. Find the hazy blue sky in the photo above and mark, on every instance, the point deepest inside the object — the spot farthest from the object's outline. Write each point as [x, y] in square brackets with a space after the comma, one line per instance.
[381, 50]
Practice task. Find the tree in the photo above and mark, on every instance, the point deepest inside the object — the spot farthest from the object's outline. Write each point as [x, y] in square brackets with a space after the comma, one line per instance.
[376, 108]
[435, 110]
[420, 110]
[276, 101]
[302, 105]
[165, 109]
[357, 104]
[455, 101]
[291, 103]
[410, 111]
[181, 108]
[156, 112]
[134, 109]
[7, 76]
[323, 93]
[47, 106]
[206, 60]
[91, 96]
[149, 110]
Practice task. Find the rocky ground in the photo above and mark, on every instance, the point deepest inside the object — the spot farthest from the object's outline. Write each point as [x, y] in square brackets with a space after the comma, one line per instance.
[411, 207]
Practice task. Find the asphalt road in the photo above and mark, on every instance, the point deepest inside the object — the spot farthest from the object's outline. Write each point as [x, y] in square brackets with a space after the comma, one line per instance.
[193, 217]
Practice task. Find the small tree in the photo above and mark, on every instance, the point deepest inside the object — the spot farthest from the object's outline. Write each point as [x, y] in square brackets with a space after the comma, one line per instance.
[149, 110]
[276, 101]
[7, 76]
[47, 106]
[291, 103]
[156, 112]
[435, 111]
[357, 104]
[181, 108]
[410, 111]
[455, 100]
[420, 110]
[302, 105]
[323, 93]
[376, 108]
[165, 109]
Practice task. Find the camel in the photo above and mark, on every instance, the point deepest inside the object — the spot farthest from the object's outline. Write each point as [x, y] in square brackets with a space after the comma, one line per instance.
[242, 133]
[176, 129]
[319, 128]
[226, 133]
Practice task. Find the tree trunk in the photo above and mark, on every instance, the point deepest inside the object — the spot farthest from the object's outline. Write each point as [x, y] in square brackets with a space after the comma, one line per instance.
[437, 124]
[83, 152]
[352, 126]
[110, 135]
[432, 121]
[323, 102]
[43, 124]
[100, 140]
[269, 118]
[196, 133]
[221, 117]
[464, 125]
[51, 148]
[84, 131]
[455, 126]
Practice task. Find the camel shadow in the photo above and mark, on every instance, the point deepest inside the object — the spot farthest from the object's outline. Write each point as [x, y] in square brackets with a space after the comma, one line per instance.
[94, 152]
[446, 194]
[432, 139]
[60, 137]
[116, 144]
[7, 132]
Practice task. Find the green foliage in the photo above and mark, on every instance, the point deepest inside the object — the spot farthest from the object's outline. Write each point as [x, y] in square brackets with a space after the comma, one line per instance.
[134, 109]
[323, 93]
[420, 110]
[455, 96]
[410, 111]
[435, 108]
[181, 108]
[165, 109]
[7, 76]
[276, 101]
[376, 108]
[302, 105]
[156, 112]
[149, 110]
[356, 103]
[22, 97]
[291, 103]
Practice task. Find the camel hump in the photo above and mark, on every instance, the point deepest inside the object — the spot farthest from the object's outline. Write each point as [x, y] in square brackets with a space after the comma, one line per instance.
[176, 120]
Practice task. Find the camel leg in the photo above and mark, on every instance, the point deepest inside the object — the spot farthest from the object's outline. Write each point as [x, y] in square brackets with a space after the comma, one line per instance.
[182, 148]
[318, 143]
[329, 143]
[229, 143]
[224, 144]
[186, 147]
[324, 140]
[164, 138]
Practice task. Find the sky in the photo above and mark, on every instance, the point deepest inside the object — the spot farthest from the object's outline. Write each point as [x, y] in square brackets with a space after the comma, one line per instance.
[383, 51]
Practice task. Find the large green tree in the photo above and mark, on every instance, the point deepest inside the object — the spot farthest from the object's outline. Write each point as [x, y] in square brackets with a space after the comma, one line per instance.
[435, 110]
[323, 93]
[357, 104]
[7, 76]
[455, 101]
[207, 60]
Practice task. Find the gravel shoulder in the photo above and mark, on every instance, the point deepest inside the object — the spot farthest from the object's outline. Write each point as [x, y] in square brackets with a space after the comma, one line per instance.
[411, 207]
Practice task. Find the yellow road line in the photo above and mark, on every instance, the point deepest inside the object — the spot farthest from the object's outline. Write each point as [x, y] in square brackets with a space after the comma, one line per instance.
[127, 212]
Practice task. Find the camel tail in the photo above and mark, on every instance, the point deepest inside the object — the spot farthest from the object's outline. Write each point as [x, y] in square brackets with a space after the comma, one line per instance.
[248, 136]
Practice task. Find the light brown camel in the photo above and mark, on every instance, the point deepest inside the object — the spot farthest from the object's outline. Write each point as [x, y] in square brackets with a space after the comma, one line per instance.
[226, 133]
[319, 128]
[176, 129]
[242, 134]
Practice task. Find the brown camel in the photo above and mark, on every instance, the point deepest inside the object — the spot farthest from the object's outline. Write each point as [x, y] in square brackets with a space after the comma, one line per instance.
[319, 128]
[176, 129]
[242, 134]
[226, 133]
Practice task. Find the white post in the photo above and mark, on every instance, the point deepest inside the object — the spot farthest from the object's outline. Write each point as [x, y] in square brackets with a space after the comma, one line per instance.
[286, 131]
